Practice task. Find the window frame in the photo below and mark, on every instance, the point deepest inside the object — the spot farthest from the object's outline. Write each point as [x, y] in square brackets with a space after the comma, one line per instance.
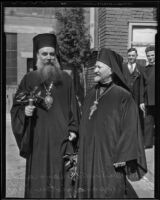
[139, 24]
[148, 24]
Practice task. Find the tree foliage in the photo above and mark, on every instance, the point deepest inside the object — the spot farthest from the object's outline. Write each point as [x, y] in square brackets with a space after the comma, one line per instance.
[73, 38]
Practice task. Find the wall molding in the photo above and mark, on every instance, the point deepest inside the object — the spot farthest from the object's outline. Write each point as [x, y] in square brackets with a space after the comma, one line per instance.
[26, 54]
[26, 29]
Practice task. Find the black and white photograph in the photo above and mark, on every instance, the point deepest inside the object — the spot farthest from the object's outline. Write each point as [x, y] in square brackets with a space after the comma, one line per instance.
[80, 100]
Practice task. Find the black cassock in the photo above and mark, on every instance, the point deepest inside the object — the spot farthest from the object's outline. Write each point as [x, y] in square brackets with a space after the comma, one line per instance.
[47, 132]
[112, 135]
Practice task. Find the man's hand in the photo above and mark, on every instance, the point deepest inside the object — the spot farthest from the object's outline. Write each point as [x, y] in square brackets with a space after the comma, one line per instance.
[72, 136]
[29, 110]
[120, 164]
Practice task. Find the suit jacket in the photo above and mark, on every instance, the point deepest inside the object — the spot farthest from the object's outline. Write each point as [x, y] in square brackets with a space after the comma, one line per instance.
[135, 82]
[149, 92]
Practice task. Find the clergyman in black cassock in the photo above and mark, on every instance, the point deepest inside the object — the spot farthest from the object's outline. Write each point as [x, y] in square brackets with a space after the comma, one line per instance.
[110, 146]
[43, 138]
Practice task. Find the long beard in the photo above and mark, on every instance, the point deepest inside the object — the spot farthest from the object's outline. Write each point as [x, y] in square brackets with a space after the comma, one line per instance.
[50, 72]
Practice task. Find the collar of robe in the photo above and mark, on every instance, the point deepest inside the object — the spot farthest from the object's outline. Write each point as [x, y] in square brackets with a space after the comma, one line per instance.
[104, 85]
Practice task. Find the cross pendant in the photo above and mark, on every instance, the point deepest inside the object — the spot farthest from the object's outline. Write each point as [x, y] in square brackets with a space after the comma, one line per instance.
[93, 108]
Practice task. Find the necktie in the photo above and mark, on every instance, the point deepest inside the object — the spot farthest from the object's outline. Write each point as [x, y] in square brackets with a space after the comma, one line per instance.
[131, 69]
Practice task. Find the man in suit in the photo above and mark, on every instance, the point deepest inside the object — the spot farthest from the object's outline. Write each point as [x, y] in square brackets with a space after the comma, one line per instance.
[149, 97]
[134, 77]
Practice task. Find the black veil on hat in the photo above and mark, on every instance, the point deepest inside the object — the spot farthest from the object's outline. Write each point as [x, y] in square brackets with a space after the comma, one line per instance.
[44, 40]
[114, 61]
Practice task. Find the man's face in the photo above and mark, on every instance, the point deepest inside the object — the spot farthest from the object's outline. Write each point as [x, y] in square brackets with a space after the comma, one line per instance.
[46, 55]
[102, 72]
[132, 56]
[48, 65]
[151, 57]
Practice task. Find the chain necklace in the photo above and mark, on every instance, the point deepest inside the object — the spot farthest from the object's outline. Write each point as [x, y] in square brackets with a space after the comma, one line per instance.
[48, 98]
[93, 108]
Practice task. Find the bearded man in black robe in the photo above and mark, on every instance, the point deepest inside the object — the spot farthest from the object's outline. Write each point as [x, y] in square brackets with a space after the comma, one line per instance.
[110, 146]
[45, 121]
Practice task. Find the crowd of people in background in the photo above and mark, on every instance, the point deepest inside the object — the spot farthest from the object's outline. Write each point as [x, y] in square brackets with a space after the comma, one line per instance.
[141, 83]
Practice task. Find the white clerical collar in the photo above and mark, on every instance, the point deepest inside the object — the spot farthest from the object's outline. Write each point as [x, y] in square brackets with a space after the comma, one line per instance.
[107, 82]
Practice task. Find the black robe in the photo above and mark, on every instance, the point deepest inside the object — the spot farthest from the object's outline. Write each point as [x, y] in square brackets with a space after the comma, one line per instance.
[112, 135]
[48, 133]
[149, 93]
[149, 99]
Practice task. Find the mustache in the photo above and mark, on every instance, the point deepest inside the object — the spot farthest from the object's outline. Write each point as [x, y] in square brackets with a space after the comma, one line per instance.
[49, 62]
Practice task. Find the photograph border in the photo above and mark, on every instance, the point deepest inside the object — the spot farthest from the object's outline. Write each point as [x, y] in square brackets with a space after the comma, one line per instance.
[155, 4]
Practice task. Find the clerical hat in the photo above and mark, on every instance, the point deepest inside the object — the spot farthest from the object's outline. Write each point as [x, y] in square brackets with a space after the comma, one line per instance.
[44, 40]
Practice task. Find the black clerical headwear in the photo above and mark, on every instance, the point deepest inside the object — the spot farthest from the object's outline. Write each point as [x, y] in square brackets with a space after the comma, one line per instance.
[114, 61]
[44, 40]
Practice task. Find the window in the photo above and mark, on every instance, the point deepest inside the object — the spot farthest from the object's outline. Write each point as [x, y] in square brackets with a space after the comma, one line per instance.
[140, 36]
[11, 58]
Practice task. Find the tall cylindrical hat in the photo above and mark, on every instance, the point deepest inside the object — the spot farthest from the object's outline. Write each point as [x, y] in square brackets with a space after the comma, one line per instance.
[44, 40]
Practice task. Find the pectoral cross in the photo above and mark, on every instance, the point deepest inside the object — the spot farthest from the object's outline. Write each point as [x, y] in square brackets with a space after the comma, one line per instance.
[93, 109]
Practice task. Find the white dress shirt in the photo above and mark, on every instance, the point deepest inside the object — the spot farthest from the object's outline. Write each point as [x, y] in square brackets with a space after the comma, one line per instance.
[131, 67]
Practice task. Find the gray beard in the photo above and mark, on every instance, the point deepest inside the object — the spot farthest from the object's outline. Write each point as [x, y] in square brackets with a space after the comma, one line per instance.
[49, 73]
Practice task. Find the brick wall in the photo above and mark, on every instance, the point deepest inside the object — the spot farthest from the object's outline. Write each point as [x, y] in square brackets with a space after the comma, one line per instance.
[89, 72]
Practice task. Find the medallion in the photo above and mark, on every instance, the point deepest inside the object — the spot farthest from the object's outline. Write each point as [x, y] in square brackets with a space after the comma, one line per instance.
[48, 98]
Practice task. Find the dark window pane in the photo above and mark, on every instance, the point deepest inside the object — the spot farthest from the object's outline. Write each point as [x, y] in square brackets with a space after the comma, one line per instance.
[11, 58]
[11, 41]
